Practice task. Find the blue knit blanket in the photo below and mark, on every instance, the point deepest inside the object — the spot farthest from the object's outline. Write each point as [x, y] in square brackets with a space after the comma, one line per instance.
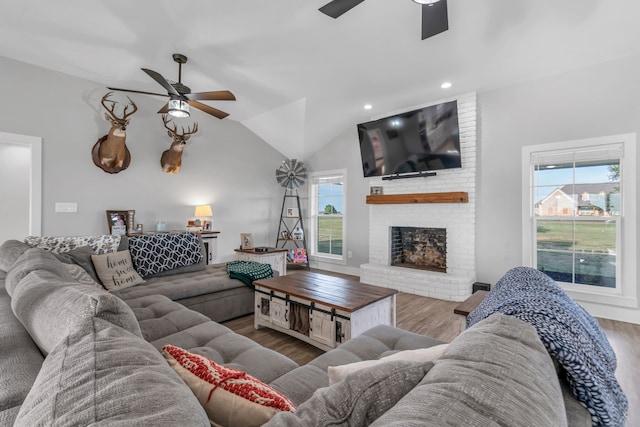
[570, 334]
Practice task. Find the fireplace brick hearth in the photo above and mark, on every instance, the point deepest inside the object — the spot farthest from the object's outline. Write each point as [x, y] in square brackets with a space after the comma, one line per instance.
[455, 282]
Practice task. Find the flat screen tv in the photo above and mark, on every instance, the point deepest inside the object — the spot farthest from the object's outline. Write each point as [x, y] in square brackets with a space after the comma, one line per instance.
[411, 143]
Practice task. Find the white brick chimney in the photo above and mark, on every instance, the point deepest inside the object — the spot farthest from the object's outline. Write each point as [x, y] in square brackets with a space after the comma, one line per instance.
[458, 219]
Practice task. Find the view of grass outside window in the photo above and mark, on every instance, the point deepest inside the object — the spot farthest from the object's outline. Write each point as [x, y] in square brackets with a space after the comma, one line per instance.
[577, 212]
[329, 201]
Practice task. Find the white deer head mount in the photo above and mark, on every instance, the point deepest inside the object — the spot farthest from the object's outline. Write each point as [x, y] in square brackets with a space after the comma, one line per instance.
[110, 152]
[171, 159]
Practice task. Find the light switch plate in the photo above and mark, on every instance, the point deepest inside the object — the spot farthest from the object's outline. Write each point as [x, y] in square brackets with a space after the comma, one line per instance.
[66, 207]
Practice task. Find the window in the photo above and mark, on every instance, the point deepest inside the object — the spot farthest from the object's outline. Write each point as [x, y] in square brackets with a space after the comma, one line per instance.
[579, 213]
[328, 201]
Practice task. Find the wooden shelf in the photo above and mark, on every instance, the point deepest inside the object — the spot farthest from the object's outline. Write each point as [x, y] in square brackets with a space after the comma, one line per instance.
[387, 199]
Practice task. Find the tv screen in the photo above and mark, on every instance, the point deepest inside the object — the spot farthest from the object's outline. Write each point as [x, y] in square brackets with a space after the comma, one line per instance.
[422, 140]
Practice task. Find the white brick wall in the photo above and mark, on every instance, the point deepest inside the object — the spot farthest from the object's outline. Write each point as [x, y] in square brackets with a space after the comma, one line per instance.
[458, 218]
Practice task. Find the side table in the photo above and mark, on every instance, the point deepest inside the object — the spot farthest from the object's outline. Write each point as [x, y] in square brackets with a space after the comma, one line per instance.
[210, 239]
[276, 257]
[468, 305]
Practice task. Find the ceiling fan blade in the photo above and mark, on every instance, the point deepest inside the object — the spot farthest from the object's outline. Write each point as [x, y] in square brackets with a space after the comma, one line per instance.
[435, 19]
[165, 109]
[207, 109]
[218, 95]
[161, 80]
[336, 8]
[137, 91]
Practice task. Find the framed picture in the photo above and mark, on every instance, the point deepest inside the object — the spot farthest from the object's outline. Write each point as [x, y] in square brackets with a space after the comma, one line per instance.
[375, 189]
[246, 241]
[118, 221]
[292, 212]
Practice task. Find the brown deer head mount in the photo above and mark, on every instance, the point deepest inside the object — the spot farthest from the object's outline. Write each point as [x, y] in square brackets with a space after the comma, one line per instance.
[110, 152]
[171, 159]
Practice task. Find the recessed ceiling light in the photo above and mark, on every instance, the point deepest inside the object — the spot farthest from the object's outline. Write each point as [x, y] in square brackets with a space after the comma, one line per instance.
[368, 106]
[446, 85]
[429, 2]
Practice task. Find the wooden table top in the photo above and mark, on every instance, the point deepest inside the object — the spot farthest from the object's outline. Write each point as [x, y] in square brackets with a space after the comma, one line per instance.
[471, 303]
[268, 251]
[336, 292]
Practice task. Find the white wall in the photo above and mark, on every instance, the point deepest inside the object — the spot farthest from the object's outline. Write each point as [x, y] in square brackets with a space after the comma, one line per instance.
[596, 101]
[15, 173]
[224, 164]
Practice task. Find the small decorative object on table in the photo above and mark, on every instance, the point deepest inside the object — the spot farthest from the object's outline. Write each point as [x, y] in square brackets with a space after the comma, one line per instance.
[246, 241]
[292, 212]
[284, 234]
[375, 189]
[120, 222]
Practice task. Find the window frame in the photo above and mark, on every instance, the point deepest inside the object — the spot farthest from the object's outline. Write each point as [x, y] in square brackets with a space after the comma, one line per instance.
[625, 294]
[313, 217]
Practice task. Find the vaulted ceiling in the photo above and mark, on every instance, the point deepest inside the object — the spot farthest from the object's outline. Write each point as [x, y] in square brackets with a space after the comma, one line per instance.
[302, 78]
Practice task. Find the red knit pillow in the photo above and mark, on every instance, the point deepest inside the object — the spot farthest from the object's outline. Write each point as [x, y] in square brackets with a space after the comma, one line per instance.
[229, 396]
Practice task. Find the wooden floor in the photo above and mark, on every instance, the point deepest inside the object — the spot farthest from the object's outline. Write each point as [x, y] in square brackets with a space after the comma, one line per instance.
[435, 318]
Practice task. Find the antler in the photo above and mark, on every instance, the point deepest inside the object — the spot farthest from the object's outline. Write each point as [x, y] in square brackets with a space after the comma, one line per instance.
[174, 131]
[111, 111]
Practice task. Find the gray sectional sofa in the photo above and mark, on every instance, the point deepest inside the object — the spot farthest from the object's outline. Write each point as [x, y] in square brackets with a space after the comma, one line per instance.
[72, 354]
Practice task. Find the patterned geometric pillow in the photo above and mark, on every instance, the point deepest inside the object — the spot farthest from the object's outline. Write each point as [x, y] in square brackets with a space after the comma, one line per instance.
[100, 244]
[155, 253]
[229, 397]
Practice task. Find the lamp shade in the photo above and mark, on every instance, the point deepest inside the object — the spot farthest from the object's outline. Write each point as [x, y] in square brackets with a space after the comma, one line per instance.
[178, 108]
[203, 210]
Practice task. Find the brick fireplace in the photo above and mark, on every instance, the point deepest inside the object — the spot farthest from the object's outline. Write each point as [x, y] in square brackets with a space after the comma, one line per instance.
[454, 280]
[419, 247]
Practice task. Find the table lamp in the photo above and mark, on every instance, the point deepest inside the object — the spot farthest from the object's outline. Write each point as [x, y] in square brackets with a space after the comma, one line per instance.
[202, 211]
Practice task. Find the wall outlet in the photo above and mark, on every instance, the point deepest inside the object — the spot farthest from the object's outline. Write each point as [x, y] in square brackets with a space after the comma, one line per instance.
[66, 207]
[349, 254]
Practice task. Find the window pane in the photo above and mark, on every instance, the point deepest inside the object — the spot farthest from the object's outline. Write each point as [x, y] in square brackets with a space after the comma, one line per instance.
[555, 235]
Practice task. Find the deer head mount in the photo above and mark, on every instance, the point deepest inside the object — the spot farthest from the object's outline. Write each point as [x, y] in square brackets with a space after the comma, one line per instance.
[110, 152]
[171, 159]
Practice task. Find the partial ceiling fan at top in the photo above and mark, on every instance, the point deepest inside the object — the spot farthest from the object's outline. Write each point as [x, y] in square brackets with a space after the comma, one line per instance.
[435, 18]
[180, 95]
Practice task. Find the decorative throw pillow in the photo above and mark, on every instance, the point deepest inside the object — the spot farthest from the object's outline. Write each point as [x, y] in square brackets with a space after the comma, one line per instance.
[100, 244]
[116, 271]
[363, 397]
[155, 253]
[429, 354]
[229, 397]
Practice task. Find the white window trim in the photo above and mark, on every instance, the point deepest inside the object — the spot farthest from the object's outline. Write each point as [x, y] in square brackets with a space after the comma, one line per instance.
[313, 255]
[627, 295]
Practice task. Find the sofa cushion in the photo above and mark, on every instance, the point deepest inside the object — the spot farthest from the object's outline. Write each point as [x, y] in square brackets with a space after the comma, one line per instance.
[80, 275]
[20, 360]
[223, 346]
[48, 307]
[495, 373]
[101, 374]
[229, 396]
[359, 400]
[300, 383]
[158, 316]
[156, 253]
[213, 278]
[80, 256]
[34, 259]
[100, 244]
[338, 373]
[116, 270]
[10, 251]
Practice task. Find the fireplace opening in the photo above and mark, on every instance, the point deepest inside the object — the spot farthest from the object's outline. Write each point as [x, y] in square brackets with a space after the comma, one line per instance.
[421, 248]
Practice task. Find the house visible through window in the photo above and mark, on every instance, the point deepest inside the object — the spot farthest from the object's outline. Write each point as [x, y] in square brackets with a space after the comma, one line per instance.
[328, 201]
[579, 197]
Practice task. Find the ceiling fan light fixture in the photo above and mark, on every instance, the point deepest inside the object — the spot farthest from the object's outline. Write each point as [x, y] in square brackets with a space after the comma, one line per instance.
[428, 2]
[178, 108]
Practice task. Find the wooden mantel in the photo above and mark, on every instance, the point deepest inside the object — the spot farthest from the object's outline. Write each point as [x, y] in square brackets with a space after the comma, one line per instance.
[387, 199]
